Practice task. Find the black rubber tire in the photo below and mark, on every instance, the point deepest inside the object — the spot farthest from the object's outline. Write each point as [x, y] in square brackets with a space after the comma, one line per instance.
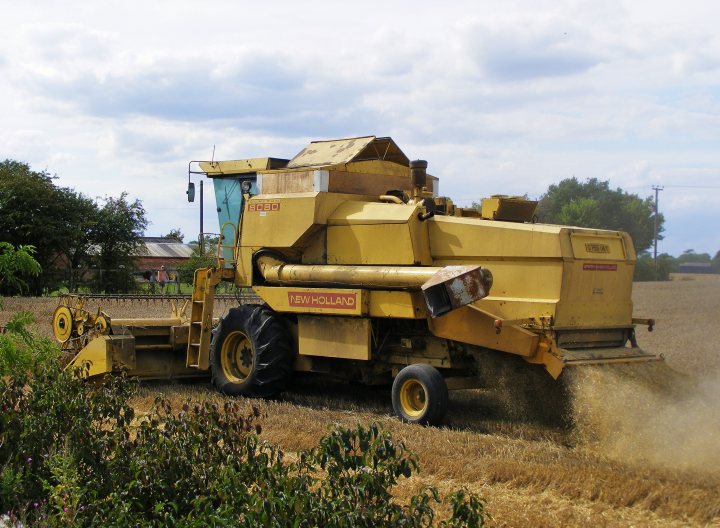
[251, 353]
[420, 395]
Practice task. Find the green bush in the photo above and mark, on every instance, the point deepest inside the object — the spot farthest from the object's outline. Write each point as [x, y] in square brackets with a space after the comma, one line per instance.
[20, 350]
[645, 267]
[73, 453]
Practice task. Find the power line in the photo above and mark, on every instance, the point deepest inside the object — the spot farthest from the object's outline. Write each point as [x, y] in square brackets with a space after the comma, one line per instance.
[693, 186]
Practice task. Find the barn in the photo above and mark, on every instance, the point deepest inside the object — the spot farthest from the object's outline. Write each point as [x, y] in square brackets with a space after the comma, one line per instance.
[158, 252]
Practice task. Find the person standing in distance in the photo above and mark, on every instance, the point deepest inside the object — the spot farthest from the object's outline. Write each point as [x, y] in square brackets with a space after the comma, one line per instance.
[162, 278]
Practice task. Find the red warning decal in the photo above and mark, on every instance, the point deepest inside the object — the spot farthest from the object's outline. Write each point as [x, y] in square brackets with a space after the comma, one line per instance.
[599, 267]
[342, 301]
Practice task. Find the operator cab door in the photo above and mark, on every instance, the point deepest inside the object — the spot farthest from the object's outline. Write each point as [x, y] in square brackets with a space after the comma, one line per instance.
[230, 205]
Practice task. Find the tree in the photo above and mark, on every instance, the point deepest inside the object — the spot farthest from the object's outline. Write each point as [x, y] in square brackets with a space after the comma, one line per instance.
[14, 264]
[645, 267]
[593, 204]
[31, 213]
[118, 237]
[56, 220]
[175, 234]
[689, 255]
[196, 261]
[68, 229]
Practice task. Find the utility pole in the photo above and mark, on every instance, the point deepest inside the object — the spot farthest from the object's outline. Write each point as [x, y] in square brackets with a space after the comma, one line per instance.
[202, 212]
[657, 189]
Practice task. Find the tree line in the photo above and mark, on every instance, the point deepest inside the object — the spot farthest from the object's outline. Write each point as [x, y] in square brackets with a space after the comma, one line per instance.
[66, 229]
[594, 204]
[61, 229]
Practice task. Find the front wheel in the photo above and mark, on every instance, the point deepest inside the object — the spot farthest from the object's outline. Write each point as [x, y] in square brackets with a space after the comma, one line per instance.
[420, 395]
[251, 353]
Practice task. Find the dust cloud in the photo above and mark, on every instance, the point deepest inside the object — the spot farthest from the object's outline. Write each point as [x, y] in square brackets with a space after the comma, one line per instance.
[648, 413]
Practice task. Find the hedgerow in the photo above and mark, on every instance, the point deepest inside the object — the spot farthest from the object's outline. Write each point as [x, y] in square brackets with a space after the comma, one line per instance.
[73, 452]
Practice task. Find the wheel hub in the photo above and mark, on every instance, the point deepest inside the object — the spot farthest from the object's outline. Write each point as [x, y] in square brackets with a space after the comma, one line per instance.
[236, 357]
[413, 397]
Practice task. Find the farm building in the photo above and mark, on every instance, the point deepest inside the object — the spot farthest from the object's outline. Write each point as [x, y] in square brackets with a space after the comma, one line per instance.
[159, 251]
[695, 267]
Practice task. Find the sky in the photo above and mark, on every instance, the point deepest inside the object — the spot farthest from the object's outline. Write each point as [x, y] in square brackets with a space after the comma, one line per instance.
[501, 97]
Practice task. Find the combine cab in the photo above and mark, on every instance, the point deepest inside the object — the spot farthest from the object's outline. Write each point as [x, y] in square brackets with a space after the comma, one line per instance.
[363, 272]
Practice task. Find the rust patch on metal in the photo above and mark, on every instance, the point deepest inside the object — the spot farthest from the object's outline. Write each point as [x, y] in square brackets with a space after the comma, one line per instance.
[455, 286]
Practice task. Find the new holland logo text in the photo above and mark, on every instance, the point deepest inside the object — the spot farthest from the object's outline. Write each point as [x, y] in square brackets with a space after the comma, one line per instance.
[341, 301]
[264, 206]
[597, 248]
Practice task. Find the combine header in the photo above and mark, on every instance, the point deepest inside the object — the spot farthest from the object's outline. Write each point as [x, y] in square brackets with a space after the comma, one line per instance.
[364, 273]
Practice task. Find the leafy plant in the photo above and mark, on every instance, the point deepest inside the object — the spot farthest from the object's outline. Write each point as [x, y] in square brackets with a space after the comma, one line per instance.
[20, 349]
[73, 452]
[14, 264]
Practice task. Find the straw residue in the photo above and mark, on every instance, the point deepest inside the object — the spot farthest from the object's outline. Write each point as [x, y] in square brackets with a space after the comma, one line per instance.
[649, 413]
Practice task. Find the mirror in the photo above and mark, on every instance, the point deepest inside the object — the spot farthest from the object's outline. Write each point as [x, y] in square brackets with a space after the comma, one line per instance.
[191, 192]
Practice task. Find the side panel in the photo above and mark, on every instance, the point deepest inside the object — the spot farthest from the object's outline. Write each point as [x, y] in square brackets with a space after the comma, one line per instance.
[276, 220]
[370, 244]
[288, 220]
[472, 326]
[334, 337]
[597, 281]
[397, 304]
[362, 232]
[458, 238]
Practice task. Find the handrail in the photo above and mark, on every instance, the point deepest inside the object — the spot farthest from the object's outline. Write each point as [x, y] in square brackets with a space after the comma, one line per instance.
[221, 246]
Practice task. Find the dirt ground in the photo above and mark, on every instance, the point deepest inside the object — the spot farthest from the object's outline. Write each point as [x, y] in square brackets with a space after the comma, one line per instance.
[644, 449]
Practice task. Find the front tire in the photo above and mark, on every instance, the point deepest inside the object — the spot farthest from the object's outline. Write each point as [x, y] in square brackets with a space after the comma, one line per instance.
[420, 395]
[251, 353]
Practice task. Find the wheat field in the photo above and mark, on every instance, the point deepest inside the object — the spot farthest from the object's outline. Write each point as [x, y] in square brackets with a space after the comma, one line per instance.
[644, 449]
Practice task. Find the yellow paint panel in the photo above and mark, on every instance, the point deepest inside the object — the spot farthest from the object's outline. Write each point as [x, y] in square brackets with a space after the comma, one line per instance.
[287, 220]
[314, 300]
[399, 304]
[277, 221]
[102, 352]
[457, 237]
[336, 337]
[596, 294]
[370, 244]
[472, 326]
[246, 166]
[358, 212]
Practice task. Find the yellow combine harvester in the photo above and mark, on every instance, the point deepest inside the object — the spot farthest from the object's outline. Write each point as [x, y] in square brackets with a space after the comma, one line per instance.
[366, 274]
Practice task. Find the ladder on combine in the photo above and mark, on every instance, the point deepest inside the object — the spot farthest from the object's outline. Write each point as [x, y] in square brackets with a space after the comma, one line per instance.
[203, 301]
[201, 317]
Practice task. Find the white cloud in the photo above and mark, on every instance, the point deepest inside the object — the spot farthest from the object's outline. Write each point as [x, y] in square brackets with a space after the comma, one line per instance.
[499, 96]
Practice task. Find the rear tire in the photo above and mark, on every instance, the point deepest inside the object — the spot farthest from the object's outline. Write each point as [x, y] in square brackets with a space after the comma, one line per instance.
[420, 395]
[251, 353]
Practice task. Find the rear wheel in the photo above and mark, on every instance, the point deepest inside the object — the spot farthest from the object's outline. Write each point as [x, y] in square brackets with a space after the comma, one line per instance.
[420, 395]
[251, 352]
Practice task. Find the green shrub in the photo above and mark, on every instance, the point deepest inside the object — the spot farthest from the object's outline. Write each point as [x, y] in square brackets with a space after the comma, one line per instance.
[73, 453]
[645, 267]
[20, 349]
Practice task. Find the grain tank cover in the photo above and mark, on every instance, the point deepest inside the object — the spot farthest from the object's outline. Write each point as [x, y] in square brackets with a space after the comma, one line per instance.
[341, 151]
[221, 169]
[508, 208]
